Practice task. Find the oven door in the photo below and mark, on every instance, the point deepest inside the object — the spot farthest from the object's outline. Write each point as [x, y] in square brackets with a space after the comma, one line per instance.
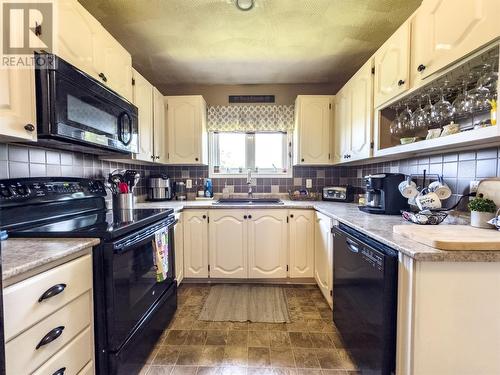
[74, 107]
[131, 283]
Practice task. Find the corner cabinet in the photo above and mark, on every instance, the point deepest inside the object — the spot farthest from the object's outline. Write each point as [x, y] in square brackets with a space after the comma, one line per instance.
[267, 243]
[17, 105]
[228, 243]
[187, 130]
[392, 66]
[323, 256]
[446, 30]
[159, 128]
[313, 130]
[195, 227]
[301, 243]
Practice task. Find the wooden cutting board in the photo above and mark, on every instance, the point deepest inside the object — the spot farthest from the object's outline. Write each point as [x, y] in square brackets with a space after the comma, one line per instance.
[451, 237]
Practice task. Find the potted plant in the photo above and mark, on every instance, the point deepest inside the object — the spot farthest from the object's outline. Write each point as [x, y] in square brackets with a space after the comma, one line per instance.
[482, 210]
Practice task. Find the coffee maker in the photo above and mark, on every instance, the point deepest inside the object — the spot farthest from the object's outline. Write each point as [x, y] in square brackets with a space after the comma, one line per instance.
[382, 194]
[159, 188]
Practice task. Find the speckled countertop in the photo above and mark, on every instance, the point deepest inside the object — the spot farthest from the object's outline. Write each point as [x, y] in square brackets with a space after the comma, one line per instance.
[20, 256]
[378, 227]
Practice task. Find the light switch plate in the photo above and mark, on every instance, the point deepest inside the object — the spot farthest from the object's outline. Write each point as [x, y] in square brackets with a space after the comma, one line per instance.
[189, 184]
[309, 183]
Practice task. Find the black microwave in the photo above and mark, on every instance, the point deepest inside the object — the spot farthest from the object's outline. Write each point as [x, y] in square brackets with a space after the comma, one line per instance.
[77, 112]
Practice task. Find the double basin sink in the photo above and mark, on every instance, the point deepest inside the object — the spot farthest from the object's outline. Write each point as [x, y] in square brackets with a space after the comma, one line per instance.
[248, 201]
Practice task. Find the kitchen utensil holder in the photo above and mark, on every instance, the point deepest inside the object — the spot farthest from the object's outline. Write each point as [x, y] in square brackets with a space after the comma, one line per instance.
[123, 201]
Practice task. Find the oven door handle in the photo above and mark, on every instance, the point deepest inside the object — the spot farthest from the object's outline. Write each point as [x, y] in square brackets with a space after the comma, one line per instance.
[138, 239]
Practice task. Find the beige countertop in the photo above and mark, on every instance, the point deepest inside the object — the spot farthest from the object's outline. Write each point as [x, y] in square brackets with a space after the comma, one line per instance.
[378, 227]
[22, 256]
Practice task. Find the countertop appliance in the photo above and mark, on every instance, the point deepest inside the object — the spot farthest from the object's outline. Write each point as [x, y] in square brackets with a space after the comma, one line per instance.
[131, 308]
[365, 293]
[382, 194]
[180, 191]
[77, 112]
[159, 188]
[338, 193]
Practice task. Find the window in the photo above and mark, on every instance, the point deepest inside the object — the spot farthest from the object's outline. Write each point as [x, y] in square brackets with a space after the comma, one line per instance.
[264, 153]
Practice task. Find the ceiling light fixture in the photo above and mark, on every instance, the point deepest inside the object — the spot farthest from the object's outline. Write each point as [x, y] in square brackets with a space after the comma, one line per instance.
[244, 5]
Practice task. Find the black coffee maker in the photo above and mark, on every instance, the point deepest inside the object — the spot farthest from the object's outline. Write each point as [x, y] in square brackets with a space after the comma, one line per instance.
[382, 194]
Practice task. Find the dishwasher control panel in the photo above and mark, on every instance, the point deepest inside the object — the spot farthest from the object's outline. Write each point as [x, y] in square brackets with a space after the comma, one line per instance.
[372, 257]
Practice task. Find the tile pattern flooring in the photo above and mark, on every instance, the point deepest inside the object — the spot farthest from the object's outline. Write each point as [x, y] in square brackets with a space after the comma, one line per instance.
[310, 344]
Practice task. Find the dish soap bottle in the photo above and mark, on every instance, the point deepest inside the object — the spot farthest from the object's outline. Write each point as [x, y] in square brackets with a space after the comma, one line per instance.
[208, 188]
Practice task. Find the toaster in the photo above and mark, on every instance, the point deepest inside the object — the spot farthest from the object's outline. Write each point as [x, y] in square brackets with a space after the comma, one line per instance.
[338, 193]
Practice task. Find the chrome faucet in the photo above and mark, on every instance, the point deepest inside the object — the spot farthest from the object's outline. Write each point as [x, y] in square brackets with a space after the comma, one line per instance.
[249, 183]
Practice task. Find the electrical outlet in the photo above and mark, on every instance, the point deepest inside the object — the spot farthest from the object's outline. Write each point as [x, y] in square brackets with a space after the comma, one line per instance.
[189, 184]
[309, 183]
[473, 186]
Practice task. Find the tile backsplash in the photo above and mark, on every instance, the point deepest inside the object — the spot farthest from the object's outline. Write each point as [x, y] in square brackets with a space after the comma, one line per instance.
[458, 169]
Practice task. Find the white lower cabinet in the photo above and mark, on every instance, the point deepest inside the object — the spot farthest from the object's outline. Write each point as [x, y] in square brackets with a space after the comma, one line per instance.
[179, 249]
[195, 227]
[228, 243]
[323, 255]
[267, 243]
[301, 243]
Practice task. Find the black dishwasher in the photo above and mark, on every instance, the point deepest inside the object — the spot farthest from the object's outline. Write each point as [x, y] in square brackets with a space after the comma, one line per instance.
[365, 276]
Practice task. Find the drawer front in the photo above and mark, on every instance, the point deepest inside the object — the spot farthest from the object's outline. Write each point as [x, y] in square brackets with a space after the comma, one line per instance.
[21, 301]
[88, 370]
[21, 355]
[73, 357]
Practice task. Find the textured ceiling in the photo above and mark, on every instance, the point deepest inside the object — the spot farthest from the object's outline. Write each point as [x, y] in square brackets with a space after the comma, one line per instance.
[279, 41]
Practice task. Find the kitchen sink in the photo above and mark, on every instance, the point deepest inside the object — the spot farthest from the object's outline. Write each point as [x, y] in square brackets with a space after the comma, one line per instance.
[249, 201]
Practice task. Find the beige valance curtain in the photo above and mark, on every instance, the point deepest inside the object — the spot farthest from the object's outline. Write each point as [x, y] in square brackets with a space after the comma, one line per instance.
[251, 118]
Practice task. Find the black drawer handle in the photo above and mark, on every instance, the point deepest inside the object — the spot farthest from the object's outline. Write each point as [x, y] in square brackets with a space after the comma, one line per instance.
[52, 291]
[51, 336]
[103, 77]
[401, 82]
[29, 127]
[421, 68]
[61, 371]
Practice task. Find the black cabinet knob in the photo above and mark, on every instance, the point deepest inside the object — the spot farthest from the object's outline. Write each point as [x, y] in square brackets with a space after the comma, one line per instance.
[302, 159]
[29, 127]
[401, 82]
[421, 68]
[196, 159]
[244, 217]
[291, 215]
[157, 157]
[51, 336]
[204, 216]
[103, 77]
[249, 216]
[52, 291]
[61, 371]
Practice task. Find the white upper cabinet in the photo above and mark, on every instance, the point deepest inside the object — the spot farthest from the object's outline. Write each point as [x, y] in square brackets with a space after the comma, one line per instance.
[143, 100]
[160, 128]
[342, 125]
[267, 243]
[17, 105]
[195, 227]
[301, 242]
[361, 101]
[228, 243]
[313, 129]
[446, 30]
[187, 131]
[392, 64]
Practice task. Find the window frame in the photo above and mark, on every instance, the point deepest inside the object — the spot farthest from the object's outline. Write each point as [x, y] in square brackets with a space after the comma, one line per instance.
[250, 157]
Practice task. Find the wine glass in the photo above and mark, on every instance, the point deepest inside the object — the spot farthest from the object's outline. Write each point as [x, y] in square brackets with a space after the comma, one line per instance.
[432, 115]
[444, 109]
[420, 119]
[462, 104]
[405, 120]
[396, 128]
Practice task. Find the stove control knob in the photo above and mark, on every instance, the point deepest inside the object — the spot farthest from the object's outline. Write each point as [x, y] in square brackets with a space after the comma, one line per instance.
[5, 192]
[22, 190]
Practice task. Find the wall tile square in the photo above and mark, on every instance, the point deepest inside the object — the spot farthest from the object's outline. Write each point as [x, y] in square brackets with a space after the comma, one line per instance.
[53, 170]
[320, 173]
[18, 153]
[489, 153]
[450, 169]
[467, 155]
[486, 168]
[37, 170]
[436, 169]
[4, 169]
[450, 157]
[4, 152]
[18, 169]
[467, 168]
[37, 155]
[436, 159]
[53, 157]
[66, 158]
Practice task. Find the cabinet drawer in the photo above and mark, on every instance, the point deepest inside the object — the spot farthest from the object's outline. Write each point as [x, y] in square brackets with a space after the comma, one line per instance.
[22, 308]
[21, 354]
[87, 370]
[73, 357]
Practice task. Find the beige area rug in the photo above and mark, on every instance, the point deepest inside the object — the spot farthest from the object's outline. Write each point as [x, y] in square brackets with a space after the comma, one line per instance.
[241, 303]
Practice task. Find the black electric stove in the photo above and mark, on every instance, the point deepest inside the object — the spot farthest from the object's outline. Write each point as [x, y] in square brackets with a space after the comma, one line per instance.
[131, 308]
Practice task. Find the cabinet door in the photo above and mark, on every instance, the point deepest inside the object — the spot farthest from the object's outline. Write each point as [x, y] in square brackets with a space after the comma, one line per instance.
[228, 243]
[76, 35]
[186, 133]
[446, 30]
[392, 64]
[143, 100]
[361, 103]
[179, 249]
[17, 105]
[113, 63]
[323, 263]
[267, 243]
[314, 119]
[160, 128]
[195, 225]
[342, 125]
[301, 242]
